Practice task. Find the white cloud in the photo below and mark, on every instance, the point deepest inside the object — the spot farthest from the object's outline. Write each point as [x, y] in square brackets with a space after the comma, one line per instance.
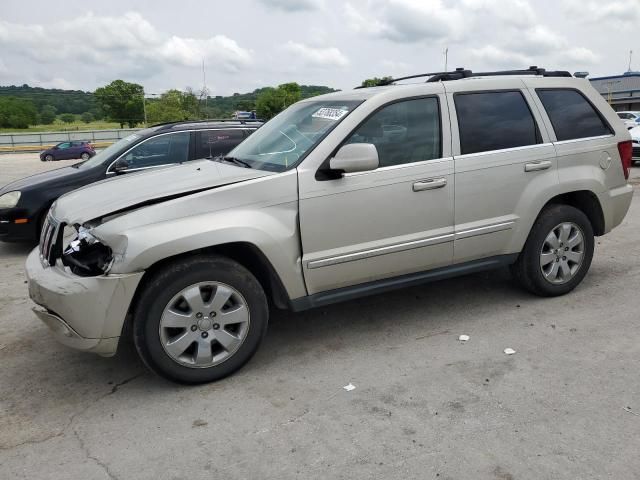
[625, 13]
[293, 5]
[322, 57]
[539, 40]
[578, 56]
[497, 57]
[406, 21]
[518, 13]
[124, 43]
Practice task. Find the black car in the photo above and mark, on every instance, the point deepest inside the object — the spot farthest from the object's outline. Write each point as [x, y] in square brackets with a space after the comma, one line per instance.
[24, 203]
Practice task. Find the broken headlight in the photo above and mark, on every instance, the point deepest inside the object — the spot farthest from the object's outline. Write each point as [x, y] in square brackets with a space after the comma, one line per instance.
[86, 255]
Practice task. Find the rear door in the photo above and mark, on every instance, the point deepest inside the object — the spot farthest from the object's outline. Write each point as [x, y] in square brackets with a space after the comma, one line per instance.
[504, 164]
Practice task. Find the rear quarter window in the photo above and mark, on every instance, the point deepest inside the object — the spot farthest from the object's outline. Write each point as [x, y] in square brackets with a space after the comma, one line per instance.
[572, 115]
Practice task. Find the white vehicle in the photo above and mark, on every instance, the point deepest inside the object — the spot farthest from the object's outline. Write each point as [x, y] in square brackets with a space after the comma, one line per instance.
[635, 139]
[630, 119]
[340, 196]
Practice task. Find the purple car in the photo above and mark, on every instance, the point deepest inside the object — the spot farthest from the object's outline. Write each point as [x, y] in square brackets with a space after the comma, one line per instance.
[68, 150]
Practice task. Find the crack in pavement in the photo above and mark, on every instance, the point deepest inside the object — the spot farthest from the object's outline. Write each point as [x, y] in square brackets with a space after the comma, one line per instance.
[72, 417]
[97, 461]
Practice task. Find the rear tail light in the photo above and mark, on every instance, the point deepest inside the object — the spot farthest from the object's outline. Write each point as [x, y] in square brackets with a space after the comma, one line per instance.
[626, 153]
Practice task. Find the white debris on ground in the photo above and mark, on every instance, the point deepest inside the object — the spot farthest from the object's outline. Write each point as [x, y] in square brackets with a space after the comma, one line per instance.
[509, 351]
[464, 338]
[349, 387]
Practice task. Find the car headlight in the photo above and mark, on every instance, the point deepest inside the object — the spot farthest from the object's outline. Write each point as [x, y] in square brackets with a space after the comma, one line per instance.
[9, 200]
[84, 254]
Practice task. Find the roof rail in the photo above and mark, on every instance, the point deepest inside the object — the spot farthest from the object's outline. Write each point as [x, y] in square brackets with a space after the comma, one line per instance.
[209, 120]
[460, 73]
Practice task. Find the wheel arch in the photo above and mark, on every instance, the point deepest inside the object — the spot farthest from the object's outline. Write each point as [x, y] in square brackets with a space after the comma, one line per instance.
[587, 202]
[246, 254]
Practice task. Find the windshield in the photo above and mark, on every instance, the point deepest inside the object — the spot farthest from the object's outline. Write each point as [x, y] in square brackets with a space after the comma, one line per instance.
[286, 139]
[112, 150]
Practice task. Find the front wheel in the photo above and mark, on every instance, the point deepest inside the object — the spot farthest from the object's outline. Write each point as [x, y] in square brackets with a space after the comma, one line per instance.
[200, 319]
[49, 158]
[85, 156]
[558, 252]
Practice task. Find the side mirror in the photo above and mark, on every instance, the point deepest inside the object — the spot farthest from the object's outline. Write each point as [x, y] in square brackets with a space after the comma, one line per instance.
[121, 166]
[355, 157]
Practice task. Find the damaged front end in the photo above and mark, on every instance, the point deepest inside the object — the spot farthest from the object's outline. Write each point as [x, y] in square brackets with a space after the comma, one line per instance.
[86, 255]
[76, 247]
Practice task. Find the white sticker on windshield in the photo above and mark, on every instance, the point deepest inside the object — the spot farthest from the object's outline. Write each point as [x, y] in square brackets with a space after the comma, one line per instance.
[330, 113]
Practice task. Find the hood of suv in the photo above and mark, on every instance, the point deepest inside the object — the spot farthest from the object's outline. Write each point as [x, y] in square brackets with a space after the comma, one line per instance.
[143, 188]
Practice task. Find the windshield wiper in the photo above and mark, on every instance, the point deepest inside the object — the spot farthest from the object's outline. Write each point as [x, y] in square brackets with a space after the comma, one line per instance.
[235, 161]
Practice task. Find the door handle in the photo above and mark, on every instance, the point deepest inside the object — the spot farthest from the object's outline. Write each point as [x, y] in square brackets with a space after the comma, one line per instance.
[537, 166]
[429, 184]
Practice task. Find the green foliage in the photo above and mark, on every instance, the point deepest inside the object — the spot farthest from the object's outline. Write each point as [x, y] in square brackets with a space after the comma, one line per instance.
[173, 106]
[87, 117]
[375, 81]
[68, 117]
[273, 100]
[122, 102]
[64, 101]
[48, 114]
[17, 113]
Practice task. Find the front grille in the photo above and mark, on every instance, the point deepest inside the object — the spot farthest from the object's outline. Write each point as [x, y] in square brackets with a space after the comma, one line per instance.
[636, 152]
[50, 240]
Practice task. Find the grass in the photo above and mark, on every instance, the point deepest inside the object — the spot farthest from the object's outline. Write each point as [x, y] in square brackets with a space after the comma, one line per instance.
[59, 126]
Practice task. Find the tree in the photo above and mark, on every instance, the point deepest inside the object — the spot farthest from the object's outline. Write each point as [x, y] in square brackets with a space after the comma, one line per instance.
[272, 101]
[87, 117]
[375, 81]
[17, 113]
[173, 106]
[68, 117]
[122, 102]
[48, 114]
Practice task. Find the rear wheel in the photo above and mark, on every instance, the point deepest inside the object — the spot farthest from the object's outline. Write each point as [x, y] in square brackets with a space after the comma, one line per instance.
[558, 252]
[85, 156]
[200, 319]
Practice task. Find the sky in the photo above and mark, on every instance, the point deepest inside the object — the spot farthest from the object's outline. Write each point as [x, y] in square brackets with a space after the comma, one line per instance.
[247, 44]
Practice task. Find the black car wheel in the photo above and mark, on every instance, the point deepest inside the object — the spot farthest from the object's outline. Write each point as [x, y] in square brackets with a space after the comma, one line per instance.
[85, 156]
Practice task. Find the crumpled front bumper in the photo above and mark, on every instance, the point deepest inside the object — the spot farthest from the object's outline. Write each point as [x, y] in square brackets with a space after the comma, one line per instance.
[85, 313]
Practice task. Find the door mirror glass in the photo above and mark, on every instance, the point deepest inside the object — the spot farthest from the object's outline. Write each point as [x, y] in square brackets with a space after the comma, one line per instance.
[120, 166]
[355, 157]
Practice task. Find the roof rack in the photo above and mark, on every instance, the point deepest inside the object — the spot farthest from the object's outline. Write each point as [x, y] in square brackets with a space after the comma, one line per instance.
[460, 73]
[209, 120]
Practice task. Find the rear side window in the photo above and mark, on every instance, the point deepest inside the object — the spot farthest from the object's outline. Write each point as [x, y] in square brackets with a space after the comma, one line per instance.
[494, 121]
[571, 114]
[213, 143]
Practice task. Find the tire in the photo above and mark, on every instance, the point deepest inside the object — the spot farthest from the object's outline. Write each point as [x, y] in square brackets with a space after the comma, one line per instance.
[49, 158]
[552, 224]
[85, 156]
[170, 297]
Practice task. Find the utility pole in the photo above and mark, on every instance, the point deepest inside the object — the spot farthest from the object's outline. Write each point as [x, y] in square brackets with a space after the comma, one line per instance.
[446, 58]
[205, 92]
[144, 108]
[630, 58]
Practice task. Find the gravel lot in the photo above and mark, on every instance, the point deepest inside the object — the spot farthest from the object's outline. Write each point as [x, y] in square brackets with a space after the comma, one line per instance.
[565, 406]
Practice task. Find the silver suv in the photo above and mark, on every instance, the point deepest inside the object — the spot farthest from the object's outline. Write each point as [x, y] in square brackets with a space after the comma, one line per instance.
[340, 196]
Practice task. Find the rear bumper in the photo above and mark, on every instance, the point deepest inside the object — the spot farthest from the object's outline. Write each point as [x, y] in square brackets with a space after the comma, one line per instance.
[615, 205]
[84, 313]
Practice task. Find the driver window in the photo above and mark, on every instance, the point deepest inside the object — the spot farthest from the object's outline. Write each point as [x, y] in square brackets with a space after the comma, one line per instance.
[160, 150]
[403, 132]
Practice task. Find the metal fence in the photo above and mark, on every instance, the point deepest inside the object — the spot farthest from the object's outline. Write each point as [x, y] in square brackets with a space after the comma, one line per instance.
[24, 142]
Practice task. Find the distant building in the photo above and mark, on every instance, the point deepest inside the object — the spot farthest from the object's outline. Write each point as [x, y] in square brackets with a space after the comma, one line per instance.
[622, 91]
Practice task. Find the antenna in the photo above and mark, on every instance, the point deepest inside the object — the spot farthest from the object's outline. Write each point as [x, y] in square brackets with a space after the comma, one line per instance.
[205, 92]
[446, 58]
[630, 58]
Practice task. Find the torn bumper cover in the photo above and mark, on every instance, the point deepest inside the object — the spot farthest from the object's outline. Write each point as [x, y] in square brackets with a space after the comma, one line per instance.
[85, 313]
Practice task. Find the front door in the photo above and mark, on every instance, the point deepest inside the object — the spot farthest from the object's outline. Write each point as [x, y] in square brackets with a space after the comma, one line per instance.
[395, 220]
